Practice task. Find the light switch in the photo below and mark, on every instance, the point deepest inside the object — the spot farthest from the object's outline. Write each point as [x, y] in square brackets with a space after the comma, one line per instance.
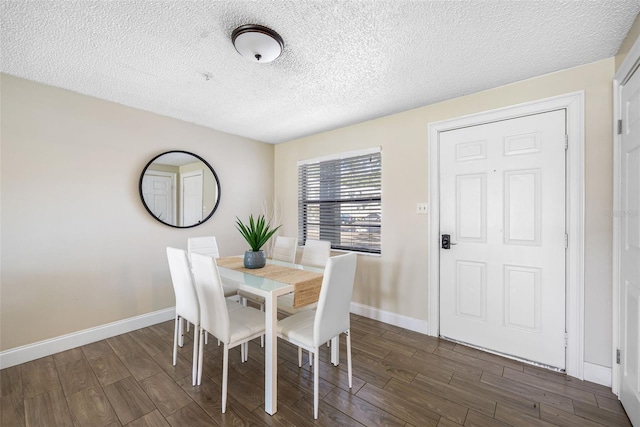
[422, 208]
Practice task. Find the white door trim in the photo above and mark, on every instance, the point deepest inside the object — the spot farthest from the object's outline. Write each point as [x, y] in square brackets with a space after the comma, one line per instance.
[630, 64]
[574, 105]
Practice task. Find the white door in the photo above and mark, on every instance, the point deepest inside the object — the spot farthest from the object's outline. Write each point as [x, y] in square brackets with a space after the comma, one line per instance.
[191, 198]
[157, 191]
[502, 201]
[629, 249]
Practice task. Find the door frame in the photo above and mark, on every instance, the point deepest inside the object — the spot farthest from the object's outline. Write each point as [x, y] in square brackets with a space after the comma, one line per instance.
[630, 65]
[574, 105]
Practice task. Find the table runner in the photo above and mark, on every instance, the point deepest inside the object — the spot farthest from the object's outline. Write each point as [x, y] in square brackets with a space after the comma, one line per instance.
[307, 283]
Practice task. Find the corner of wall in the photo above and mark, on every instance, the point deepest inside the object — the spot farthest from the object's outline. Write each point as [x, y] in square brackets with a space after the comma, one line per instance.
[627, 43]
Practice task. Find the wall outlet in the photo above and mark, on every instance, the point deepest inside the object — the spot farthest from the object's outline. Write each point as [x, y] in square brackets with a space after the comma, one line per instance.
[422, 208]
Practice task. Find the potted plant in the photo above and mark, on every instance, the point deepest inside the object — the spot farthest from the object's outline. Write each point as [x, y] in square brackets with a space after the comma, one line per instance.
[256, 233]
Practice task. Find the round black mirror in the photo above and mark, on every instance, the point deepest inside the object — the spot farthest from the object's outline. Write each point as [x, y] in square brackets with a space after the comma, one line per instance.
[179, 189]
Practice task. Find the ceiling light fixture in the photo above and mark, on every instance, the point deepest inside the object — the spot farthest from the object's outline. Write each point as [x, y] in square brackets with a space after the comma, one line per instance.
[257, 43]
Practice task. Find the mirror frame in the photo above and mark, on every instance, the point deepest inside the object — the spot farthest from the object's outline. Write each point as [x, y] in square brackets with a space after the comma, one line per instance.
[215, 175]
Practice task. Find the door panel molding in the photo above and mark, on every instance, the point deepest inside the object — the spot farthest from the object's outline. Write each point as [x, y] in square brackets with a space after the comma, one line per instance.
[573, 103]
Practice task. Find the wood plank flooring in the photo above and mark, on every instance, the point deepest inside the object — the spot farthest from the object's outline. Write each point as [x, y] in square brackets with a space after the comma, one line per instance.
[400, 378]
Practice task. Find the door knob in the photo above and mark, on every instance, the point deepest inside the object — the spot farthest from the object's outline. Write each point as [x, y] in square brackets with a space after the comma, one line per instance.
[446, 241]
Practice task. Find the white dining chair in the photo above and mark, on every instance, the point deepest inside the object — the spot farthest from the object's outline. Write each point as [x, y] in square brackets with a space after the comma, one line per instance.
[208, 245]
[285, 248]
[308, 329]
[315, 253]
[232, 327]
[187, 306]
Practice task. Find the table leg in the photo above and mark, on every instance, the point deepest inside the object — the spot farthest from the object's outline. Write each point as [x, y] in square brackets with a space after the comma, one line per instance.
[271, 355]
[335, 350]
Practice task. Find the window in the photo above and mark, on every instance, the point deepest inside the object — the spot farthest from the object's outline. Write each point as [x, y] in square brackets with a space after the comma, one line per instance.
[340, 199]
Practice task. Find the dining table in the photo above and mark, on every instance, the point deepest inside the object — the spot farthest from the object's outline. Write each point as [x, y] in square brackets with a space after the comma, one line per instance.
[277, 278]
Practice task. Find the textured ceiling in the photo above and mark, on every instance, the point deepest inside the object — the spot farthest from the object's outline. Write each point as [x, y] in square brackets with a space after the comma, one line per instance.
[344, 62]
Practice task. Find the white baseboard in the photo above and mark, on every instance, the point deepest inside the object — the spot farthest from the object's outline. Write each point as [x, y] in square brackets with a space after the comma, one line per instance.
[29, 352]
[597, 374]
[395, 319]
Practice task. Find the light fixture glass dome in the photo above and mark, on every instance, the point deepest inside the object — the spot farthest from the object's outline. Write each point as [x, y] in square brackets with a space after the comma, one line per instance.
[257, 43]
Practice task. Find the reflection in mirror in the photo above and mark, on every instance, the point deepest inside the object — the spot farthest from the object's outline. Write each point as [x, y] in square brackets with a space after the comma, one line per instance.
[179, 189]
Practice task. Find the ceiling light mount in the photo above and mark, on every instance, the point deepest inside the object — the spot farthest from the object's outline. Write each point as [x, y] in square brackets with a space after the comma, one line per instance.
[257, 43]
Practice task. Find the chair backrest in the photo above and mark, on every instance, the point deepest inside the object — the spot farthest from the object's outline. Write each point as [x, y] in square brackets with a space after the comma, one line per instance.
[186, 297]
[332, 314]
[214, 315]
[316, 253]
[203, 245]
[285, 249]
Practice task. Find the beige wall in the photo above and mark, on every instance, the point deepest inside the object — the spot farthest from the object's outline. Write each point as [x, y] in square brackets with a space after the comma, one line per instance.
[397, 280]
[627, 43]
[78, 248]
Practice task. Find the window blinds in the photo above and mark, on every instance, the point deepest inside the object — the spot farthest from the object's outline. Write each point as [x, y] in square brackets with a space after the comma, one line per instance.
[339, 200]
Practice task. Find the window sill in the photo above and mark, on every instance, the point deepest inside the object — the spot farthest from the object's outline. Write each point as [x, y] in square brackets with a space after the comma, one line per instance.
[357, 252]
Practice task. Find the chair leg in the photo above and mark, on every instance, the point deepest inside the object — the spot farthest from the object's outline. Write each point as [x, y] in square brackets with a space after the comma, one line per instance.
[206, 338]
[242, 350]
[181, 332]
[196, 355]
[349, 355]
[316, 378]
[225, 374]
[175, 340]
[188, 323]
[310, 359]
[201, 354]
[299, 357]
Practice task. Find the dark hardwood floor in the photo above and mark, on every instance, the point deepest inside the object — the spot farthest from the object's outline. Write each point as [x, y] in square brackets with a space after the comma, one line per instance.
[400, 378]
